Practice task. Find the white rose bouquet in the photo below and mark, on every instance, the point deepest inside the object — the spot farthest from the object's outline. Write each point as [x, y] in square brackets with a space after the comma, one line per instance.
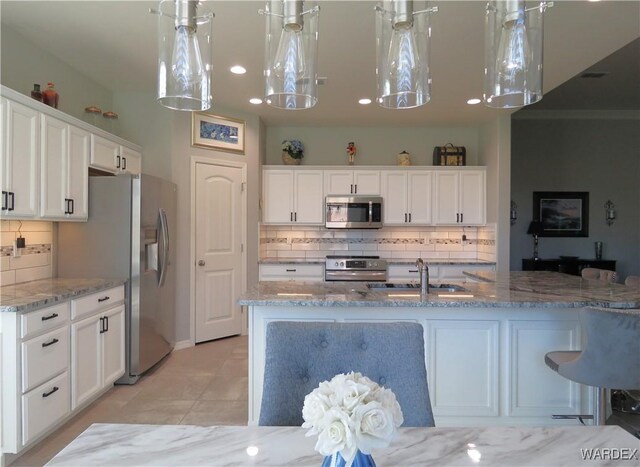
[351, 413]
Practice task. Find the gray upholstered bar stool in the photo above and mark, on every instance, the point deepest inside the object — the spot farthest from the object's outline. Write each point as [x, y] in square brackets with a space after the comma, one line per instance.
[610, 358]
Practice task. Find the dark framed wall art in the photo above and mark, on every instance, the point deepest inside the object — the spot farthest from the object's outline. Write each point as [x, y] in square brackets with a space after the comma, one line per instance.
[562, 213]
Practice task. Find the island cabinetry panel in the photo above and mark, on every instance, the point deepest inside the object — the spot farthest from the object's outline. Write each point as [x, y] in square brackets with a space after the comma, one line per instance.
[407, 197]
[64, 161]
[351, 182]
[535, 389]
[20, 170]
[459, 197]
[293, 197]
[292, 272]
[463, 361]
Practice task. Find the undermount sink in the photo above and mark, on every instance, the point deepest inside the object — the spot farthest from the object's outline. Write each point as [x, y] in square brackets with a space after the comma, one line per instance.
[414, 286]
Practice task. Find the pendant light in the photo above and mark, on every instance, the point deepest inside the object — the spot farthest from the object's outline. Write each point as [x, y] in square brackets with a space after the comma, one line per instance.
[291, 50]
[402, 54]
[513, 53]
[184, 55]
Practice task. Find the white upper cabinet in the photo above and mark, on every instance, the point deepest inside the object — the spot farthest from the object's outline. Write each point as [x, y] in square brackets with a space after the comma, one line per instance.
[64, 160]
[407, 197]
[112, 157]
[292, 197]
[459, 197]
[131, 161]
[347, 182]
[20, 169]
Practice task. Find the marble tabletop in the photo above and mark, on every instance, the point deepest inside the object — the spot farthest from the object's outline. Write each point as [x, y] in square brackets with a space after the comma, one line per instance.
[519, 289]
[179, 445]
[28, 296]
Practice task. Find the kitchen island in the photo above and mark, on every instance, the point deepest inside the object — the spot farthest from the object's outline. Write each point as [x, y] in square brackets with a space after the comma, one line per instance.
[484, 346]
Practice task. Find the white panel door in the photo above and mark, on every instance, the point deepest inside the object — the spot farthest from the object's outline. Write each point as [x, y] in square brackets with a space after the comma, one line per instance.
[277, 196]
[21, 165]
[86, 360]
[54, 149]
[419, 197]
[445, 197]
[308, 200]
[78, 186]
[338, 182]
[394, 193]
[113, 346]
[472, 197]
[366, 182]
[219, 265]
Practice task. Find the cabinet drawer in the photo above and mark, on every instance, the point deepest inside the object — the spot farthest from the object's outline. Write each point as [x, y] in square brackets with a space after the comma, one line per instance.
[44, 356]
[283, 272]
[42, 320]
[97, 301]
[44, 406]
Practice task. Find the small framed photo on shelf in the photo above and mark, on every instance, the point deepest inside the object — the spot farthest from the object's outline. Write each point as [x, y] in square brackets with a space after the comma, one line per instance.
[215, 132]
[562, 213]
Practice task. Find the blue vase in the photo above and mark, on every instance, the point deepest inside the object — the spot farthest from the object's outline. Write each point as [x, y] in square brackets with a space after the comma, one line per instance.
[361, 460]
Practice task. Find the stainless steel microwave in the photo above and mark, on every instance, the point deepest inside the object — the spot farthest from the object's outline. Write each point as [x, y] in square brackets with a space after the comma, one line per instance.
[353, 212]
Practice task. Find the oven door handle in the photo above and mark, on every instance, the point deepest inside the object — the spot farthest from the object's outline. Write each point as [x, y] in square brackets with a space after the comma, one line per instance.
[370, 212]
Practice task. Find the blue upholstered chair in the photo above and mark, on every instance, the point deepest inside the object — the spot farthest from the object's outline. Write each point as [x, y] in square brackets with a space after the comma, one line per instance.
[610, 358]
[300, 355]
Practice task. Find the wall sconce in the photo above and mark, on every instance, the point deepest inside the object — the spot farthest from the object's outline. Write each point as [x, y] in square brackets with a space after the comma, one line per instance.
[513, 213]
[609, 212]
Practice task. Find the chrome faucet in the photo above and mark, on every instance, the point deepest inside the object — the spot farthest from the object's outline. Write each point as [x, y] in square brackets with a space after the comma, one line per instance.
[423, 269]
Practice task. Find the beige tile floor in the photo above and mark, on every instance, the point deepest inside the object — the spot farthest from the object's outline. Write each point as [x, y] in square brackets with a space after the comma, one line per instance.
[202, 385]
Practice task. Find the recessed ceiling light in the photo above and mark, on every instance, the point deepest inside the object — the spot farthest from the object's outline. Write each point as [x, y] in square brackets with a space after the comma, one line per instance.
[364, 101]
[473, 101]
[238, 70]
[255, 100]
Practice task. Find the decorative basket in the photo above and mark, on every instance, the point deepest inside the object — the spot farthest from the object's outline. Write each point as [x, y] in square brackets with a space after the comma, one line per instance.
[288, 160]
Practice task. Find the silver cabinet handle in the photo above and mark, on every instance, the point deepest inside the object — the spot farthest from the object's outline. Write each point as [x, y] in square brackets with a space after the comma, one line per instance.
[201, 262]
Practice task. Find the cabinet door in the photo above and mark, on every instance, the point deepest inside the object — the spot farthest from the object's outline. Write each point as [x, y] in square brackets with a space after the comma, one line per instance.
[394, 192]
[338, 182]
[472, 197]
[113, 346]
[131, 160]
[419, 197]
[86, 360]
[3, 150]
[446, 197]
[308, 199]
[277, 197]
[105, 154]
[367, 182]
[78, 175]
[54, 149]
[21, 164]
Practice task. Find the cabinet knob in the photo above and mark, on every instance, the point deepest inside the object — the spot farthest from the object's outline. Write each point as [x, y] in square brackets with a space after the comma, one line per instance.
[201, 262]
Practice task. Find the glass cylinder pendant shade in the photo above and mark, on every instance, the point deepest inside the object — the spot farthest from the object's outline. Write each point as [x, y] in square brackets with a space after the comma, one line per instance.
[184, 55]
[291, 50]
[402, 55]
[513, 53]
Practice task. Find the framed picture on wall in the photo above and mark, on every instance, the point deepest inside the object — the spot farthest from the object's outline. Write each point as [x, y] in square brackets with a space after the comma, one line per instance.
[215, 132]
[562, 213]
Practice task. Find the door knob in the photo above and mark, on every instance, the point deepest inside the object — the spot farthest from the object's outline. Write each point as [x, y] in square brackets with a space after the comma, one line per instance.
[201, 262]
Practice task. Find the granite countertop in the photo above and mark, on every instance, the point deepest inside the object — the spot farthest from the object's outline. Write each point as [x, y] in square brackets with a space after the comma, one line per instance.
[430, 262]
[127, 445]
[536, 289]
[29, 296]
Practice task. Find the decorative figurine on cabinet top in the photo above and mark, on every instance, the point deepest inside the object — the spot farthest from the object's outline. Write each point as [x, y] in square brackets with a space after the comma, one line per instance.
[351, 152]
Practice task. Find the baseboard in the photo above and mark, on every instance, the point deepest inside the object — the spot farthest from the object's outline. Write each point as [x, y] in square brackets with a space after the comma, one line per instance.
[182, 345]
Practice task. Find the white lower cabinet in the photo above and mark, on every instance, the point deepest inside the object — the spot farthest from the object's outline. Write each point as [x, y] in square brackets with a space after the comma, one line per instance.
[437, 273]
[292, 272]
[44, 406]
[97, 349]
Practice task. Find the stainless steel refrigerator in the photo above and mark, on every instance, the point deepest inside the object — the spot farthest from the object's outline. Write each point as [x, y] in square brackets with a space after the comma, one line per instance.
[128, 235]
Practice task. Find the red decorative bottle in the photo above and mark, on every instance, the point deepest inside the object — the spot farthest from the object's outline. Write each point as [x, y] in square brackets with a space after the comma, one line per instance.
[36, 93]
[50, 96]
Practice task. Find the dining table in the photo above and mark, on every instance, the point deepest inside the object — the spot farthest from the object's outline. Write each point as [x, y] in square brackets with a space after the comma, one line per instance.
[108, 444]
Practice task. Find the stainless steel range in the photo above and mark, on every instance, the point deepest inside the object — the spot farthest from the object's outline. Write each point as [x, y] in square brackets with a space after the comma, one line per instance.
[355, 268]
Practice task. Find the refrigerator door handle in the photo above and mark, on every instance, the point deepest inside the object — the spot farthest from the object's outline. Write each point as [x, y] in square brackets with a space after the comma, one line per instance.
[165, 246]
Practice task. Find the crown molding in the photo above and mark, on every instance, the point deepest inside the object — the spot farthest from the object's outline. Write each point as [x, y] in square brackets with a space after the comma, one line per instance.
[577, 115]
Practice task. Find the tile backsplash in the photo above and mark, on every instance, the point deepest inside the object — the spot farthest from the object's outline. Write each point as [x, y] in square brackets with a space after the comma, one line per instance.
[34, 261]
[388, 242]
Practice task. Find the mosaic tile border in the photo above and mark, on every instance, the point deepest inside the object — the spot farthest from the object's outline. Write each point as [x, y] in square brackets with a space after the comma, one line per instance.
[28, 250]
[380, 241]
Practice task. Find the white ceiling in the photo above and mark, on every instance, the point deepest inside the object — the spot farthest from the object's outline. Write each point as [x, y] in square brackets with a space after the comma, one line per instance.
[113, 42]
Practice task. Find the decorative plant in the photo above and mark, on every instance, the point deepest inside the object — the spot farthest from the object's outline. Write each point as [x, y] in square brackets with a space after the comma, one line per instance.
[294, 148]
[351, 413]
